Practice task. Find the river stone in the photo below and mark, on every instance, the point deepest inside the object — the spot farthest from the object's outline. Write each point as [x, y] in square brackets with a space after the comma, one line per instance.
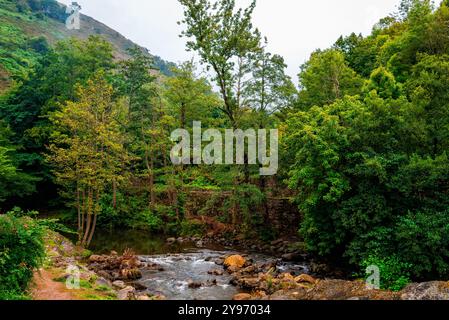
[305, 278]
[119, 284]
[126, 293]
[242, 297]
[235, 261]
[216, 272]
[200, 244]
[171, 240]
[194, 285]
[435, 290]
[289, 257]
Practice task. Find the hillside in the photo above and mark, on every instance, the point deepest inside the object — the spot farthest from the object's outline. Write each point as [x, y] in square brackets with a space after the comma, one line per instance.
[25, 24]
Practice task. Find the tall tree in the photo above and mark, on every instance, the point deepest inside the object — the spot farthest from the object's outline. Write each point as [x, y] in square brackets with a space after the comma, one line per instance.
[225, 39]
[137, 77]
[88, 150]
[325, 78]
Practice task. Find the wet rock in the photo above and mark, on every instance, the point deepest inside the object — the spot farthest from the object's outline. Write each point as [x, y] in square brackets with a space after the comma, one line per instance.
[97, 259]
[194, 285]
[249, 283]
[131, 274]
[104, 274]
[242, 297]
[277, 242]
[180, 240]
[216, 272]
[126, 293]
[232, 269]
[219, 261]
[143, 298]
[319, 268]
[235, 261]
[426, 291]
[138, 286]
[290, 256]
[211, 283]
[119, 284]
[305, 278]
[200, 244]
[171, 240]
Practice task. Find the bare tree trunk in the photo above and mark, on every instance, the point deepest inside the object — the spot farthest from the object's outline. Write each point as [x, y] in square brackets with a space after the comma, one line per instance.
[114, 194]
[94, 223]
[78, 206]
[89, 217]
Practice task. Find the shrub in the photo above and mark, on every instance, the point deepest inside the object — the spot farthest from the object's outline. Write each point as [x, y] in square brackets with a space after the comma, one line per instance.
[21, 251]
[193, 228]
[394, 273]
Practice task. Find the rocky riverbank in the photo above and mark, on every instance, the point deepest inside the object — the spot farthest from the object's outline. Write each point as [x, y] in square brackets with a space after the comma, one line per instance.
[115, 276]
[289, 250]
[275, 285]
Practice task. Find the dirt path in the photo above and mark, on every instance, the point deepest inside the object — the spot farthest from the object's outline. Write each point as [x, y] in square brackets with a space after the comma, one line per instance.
[45, 288]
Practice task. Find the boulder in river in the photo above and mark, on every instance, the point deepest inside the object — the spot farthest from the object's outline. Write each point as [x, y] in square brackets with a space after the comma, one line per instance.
[235, 261]
[216, 272]
[194, 284]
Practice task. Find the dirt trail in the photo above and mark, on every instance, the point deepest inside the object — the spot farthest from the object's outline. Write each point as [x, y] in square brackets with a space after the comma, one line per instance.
[45, 288]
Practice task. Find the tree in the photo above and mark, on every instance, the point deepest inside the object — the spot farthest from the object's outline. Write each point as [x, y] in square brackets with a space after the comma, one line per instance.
[191, 98]
[14, 183]
[137, 86]
[51, 82]
[269, 90]
[226, 40]
[88, 152]
[325, 78]
[427, 88]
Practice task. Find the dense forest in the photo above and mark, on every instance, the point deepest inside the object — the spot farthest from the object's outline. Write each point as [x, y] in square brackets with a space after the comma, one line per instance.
[364, 140]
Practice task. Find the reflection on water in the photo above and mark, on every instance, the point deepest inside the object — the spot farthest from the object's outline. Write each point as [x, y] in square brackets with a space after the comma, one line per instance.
[141, 242]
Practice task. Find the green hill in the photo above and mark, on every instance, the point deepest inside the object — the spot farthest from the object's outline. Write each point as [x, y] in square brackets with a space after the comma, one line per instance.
[27, 25]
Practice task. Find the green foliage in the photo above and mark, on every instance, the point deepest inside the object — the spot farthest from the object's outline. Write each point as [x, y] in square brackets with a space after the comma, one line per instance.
[192, 228]
[394, 274]
[325, 78]
[21, 251]
[371, 169]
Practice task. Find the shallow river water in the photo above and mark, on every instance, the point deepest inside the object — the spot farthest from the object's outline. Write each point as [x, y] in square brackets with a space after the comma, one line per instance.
[183, 264]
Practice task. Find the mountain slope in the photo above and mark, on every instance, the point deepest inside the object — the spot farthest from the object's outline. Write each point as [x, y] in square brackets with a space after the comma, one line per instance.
[25, 23]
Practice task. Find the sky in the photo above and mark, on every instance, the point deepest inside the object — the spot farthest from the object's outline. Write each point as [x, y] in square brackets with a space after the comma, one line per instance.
[295, 28]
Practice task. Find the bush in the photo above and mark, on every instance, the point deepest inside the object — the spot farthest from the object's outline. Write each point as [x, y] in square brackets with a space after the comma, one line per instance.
[193, 228]
[21, 251]
[416, 246]
[394, 274]
[422, 239]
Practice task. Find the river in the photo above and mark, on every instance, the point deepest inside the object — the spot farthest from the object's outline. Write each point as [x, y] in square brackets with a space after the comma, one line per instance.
[182, 264]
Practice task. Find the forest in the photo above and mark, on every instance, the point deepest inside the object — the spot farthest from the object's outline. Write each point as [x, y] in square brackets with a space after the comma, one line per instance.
[363, 141]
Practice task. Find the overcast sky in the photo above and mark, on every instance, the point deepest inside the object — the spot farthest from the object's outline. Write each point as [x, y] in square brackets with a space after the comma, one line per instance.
[295, 28]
